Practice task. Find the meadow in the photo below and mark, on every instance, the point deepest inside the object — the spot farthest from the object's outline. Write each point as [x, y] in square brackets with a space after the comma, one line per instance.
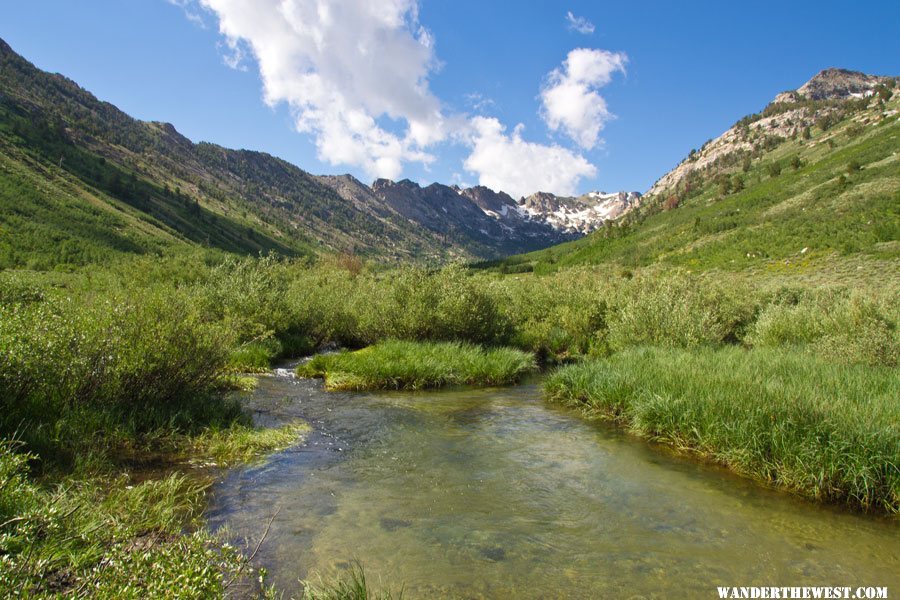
[102, 368]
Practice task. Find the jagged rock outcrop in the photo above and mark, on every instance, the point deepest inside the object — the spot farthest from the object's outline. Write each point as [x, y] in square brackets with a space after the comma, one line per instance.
[486, 222]
[479, 216]
[580, 215]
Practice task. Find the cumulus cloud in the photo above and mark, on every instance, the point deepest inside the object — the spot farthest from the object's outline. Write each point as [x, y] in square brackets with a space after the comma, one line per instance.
[353, 72]
[509, 163]
[570, 99]
[579, 24]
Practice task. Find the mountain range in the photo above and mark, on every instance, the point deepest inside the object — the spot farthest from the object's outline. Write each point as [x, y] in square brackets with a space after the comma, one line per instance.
[807, 187]
[81, 182]
[95, 181]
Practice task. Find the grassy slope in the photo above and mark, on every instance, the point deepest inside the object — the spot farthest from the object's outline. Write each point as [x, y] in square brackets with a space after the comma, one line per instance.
[206, 195]
[824, 430]
[846, 225]
[61, 204]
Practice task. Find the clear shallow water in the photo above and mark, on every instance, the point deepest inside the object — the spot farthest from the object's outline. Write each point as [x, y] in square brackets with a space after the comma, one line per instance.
[496, 494]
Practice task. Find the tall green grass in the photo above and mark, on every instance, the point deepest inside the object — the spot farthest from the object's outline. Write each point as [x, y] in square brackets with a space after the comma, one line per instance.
[351, 586]
[417, 365]
[826, 431]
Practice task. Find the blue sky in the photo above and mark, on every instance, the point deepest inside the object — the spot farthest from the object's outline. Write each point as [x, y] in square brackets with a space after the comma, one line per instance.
[456, 92]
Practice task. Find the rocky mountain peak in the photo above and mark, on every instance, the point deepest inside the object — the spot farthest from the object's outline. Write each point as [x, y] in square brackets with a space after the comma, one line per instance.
[822, 97]
[581, 214]
[487, 199]
[540, 200]
[834, 84]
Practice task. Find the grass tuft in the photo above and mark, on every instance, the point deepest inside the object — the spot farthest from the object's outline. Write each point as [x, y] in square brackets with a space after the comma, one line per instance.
[352, 586]
[417, 365]
[242, 444]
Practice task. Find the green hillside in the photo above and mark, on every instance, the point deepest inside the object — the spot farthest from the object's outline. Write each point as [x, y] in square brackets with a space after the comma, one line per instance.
[826, 200]
[82, 182]
[62, 205]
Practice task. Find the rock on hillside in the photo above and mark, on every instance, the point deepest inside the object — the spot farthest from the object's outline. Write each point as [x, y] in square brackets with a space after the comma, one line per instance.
[786, 116]
[482, 220]
[580, 215]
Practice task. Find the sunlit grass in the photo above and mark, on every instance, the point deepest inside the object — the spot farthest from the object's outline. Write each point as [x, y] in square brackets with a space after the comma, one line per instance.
[353, 585]
[824, 430]
[417, 365]
[241, 444]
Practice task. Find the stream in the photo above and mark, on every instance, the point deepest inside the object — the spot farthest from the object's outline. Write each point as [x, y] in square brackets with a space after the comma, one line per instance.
[497, 494]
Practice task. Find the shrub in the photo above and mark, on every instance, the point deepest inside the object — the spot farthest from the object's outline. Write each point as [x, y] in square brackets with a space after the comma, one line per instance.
[248, 296]
[562, 316]
[79, 374]
[410, 303]
[678, 311]
[838, 326]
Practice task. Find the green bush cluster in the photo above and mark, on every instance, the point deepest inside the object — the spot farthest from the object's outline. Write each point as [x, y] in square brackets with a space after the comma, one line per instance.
[409, 303]
[843, 326]
[78, 373]
[89, 360]
[94, 362]
[678, 311]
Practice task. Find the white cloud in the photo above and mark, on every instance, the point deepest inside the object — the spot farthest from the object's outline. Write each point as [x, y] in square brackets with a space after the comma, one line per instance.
[478, 102]
[233, 54]
[355, 76]
[509, 163]
[579, 24]
[345, 68]
[187, 6]
[570, 101]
